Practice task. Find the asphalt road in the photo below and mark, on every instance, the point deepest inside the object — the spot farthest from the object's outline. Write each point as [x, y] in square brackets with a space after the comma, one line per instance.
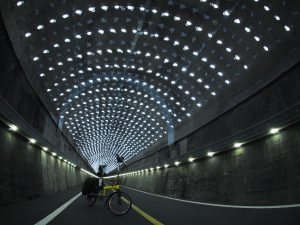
[166, 211]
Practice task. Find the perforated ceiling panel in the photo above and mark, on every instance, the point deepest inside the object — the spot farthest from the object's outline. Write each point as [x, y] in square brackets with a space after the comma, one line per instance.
[121, 75]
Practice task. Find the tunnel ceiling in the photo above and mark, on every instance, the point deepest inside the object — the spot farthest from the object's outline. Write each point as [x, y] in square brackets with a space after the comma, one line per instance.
[121, 75]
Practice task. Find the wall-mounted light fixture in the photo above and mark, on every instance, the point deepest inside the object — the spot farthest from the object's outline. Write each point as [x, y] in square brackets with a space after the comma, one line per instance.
[32, 141]
[210, 154]
[13, 127]
[237, 145]
[274, 130]
[191, 159]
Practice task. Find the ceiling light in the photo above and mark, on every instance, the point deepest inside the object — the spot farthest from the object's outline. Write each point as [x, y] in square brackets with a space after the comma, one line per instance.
[266, 48]
[104, 7]
[19, 3]
[39, 27]
[226, 13]
[287, 28]
[277, 17]
[247, 29]
[237, 21]
[78, 12]
[177, 163]
[92, 9]
[65, 16]
[198, 28]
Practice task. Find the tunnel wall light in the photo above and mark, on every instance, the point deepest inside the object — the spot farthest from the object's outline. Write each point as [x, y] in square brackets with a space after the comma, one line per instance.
[13, 127]
[191, 159]
[237, 145]
[177, 163]
[32, 140]
[45, 149]
[210, 154]
[274, 130]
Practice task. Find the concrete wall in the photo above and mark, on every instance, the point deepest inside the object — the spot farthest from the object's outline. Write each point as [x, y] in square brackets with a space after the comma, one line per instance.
[17, 92]
[27, 172]
[264, 171]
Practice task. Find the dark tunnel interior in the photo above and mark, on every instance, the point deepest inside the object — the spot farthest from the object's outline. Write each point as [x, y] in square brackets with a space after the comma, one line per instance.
[201, 98]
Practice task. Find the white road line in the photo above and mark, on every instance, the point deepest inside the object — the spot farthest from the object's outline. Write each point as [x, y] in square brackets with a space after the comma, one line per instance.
[221, 205]
[55, 213]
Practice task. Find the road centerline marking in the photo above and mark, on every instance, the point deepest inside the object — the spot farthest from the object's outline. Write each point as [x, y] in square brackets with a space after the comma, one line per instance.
[146, 215]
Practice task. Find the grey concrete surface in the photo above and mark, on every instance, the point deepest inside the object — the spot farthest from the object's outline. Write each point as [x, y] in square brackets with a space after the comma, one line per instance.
[16, 91]
[26, 172]
[263, 172]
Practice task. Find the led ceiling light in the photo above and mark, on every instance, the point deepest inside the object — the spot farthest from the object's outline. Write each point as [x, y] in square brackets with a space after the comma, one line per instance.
[27, 34]
[19, 3]
[78, 12]
[115, 94]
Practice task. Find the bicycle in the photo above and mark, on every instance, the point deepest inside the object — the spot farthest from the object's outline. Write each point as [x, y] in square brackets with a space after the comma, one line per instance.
[118, 202]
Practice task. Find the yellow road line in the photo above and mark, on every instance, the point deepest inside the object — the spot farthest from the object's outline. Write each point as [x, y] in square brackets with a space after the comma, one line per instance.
[145, 215]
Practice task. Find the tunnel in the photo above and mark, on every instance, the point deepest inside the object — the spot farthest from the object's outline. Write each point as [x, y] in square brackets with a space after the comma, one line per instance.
[190, 109]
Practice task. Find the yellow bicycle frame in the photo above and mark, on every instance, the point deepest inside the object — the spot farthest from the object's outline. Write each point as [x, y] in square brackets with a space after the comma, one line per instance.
[103, 192]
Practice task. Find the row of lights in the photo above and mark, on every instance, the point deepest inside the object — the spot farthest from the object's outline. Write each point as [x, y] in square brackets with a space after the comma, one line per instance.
[190, 159]
[14, 128]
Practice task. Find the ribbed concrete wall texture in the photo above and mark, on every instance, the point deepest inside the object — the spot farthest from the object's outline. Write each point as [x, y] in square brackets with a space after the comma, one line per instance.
[265, 170]
[26, 172]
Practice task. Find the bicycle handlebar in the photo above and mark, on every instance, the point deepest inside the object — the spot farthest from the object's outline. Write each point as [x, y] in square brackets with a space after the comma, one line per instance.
[120, 159]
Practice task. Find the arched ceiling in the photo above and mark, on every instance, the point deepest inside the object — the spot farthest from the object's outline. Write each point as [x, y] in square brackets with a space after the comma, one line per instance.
[121, 75]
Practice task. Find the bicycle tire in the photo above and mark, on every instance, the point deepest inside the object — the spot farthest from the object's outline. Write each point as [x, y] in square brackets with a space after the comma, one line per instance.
[119, 203]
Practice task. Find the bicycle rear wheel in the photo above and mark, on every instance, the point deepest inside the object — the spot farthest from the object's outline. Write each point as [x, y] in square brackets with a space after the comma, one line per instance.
[119, 203]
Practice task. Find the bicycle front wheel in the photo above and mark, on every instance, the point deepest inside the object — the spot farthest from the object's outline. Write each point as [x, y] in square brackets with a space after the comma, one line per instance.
[119, 203]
